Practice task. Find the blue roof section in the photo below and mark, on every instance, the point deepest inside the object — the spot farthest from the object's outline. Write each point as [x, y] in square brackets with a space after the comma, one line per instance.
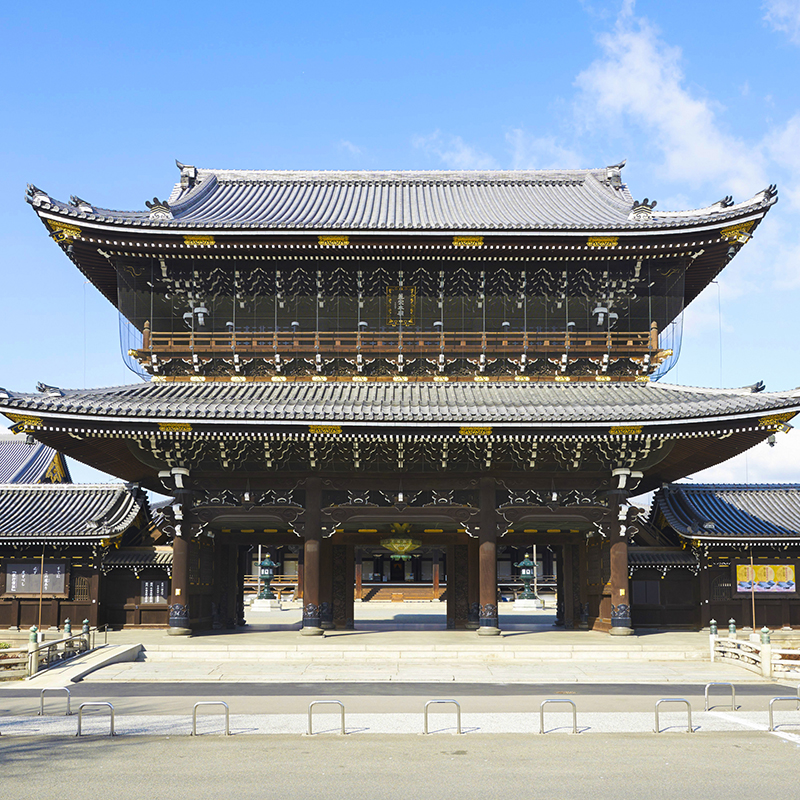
[21, 462]
[731, 512]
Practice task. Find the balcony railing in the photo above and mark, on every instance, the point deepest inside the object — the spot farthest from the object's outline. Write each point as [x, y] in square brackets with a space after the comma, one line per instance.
[411, 344]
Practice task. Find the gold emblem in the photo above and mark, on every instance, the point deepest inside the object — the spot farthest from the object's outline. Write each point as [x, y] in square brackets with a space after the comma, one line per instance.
[602, 241]
[174, 427]
[625, 430]
[198, 241]
[329, 430]
[26, 421]
[62, 231]
[474, 431]
[468, 241]
[738, 233]
[774, 420]
[334, 241]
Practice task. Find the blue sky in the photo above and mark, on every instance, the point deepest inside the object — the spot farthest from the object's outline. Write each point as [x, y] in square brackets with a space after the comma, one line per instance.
[702, 99]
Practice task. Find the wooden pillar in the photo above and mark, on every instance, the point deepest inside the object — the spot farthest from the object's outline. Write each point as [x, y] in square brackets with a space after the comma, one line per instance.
[620, 596]
[343, 568]
[179, 594]
[359, 574]
[435, 573]
[326, 584]
[487, 559]
[349, 596]
[559, 564]
[473, 584]
[583, 584]
[94, 593]
[569, 589]
[457, 592]
[311, 561]
[243, 563]
[301, 570]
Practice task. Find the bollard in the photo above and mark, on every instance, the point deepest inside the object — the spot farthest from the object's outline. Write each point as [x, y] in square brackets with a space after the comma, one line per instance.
[777, 700]
[95, 705]
[437, 702]
[33, 653]
[732, 628]
[720, 683]
[674, 700]
[53, 689]
[212, 703]
[310, 730]
[574, 714]
[712, 627]
[765, 635]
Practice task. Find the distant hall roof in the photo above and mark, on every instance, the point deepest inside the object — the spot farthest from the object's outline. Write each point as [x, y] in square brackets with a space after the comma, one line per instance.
[732, 512]
[21, 462]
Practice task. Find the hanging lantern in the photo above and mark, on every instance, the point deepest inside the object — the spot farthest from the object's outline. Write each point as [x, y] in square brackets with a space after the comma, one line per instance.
[400, 548]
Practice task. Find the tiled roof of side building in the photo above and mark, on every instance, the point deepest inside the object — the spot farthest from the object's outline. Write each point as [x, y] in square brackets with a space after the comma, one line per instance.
[500, 403]
[21, 462]
[589, 199]
[647, 557]
[138, 557]
[67, 512]
[723, 512]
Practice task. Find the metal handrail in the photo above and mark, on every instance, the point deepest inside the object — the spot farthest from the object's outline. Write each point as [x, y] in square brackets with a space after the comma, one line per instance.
[674, 700]
[439, 702]
[95, 705]
[775, 700]
[574, 713]
[309, 730]
[720, 683]
[53, 689]
[212, 703]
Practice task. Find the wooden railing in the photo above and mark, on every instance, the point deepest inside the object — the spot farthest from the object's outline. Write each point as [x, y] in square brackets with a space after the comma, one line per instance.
[411, 344]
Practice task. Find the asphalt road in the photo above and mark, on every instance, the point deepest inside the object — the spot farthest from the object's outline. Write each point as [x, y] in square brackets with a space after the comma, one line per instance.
[730, 766]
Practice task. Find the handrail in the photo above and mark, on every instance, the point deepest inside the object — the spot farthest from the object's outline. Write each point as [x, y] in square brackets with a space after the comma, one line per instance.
[720, 683]
[85, 643]
[309, 730]
[437, 702]
[559, 700]
[53, 689]
[674, 700]
[212, 703]
[95, 705]
[776, 700]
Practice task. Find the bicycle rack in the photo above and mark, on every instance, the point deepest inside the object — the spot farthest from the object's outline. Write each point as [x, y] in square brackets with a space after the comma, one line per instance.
[311, 705]
[674, 700]
[95, 705]
[574, 713]
[439, 702]
[54, 689]
[212, 703]
[721, 683]
[775, 700]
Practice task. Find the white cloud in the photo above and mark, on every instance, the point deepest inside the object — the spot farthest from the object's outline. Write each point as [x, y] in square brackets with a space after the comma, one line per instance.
[540, 152]
[784, 16]
[761, 464]
[354, 149]
[639, 82]
[782, 146]
[454, 152]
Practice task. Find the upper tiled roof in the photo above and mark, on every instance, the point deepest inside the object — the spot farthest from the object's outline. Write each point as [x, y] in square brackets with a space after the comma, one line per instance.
[591, 199]
[21, 462]
[719, 512]
[500, 403]
[67, 512]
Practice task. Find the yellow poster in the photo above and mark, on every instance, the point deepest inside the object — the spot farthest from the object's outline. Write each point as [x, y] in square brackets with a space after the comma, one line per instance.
[774, 578]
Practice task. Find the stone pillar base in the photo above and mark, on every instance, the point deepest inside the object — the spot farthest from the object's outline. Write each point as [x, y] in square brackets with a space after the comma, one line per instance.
[179, 631]
[310, 631]
[266, 605]
[471, 626]
[619, 630]
[486, 630]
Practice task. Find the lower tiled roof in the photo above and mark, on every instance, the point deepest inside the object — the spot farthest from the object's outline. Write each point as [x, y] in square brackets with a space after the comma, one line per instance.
[21, 462]
[497, 403]
[67, 512]
[724, 512]
[138, 557]
[640, 557]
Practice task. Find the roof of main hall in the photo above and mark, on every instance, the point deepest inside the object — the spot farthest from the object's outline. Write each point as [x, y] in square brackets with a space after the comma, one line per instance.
[499, 403]
[588, 199]
[722, 512]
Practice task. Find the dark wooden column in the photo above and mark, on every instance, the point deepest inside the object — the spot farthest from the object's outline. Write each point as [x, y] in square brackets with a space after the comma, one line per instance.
[583, 584]
[326, 569]
[620, 595]
[457, 592]
[436, 556]
[359, 573]
[473, 585]
[343, 561]
[243, 563]
[559, 564]
[487, 544]
[311, 559]
[569, 588]
[179, 595]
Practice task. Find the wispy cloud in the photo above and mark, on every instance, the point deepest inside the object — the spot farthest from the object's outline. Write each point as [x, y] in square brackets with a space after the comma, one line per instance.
[639, 82]
[540, 152]
[454, 152]
[354, 149]
[784, 16]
